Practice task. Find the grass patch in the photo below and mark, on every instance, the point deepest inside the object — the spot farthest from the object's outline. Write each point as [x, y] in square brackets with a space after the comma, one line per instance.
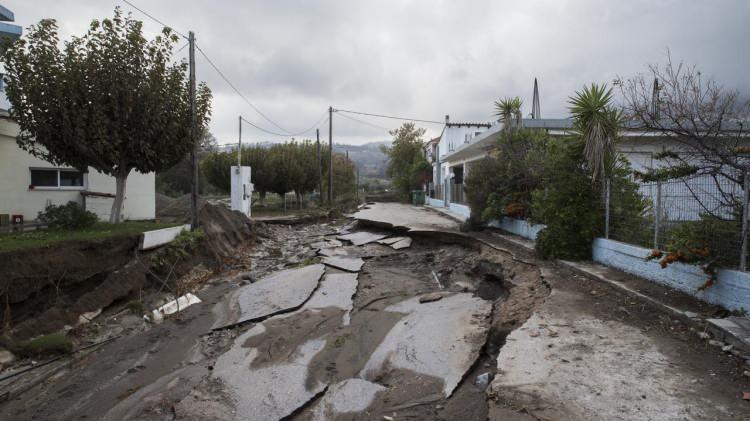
[44, 237]
[52, 344]
[136, 307]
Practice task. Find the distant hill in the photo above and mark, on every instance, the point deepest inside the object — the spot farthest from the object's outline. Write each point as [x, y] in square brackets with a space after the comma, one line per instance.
[368, 158]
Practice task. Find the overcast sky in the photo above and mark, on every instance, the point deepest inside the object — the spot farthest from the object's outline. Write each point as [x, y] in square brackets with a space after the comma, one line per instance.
[422, 59]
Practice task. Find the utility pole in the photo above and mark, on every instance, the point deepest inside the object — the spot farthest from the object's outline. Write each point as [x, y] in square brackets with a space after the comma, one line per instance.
[239, 145]
[330, 156]
[320, 167]
[193, 138]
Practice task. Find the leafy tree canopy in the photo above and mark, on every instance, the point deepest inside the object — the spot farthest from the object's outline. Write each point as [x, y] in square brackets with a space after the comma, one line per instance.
[109, 99]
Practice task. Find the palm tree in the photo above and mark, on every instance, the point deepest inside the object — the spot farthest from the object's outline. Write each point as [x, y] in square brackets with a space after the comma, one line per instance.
[508, 110]
[597, 122]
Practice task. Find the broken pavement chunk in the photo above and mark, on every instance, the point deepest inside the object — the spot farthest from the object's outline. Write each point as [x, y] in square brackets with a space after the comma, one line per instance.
[278, 292]
[349, 264]
[390, 240]
[348, 396]
[402, 244]
[458, 327]
[361, 237]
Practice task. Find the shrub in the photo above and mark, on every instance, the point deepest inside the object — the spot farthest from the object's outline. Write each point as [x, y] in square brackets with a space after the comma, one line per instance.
[70, 216]
[182, 246]
[568, 205]
[481, 184]
[52, 344]
[501, 185]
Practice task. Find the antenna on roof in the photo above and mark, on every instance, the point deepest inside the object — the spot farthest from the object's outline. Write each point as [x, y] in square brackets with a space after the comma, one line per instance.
[535, 111]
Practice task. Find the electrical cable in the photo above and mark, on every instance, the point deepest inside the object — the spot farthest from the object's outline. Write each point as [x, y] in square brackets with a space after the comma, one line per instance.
[153, 18]
[392, 117]
[365, 122]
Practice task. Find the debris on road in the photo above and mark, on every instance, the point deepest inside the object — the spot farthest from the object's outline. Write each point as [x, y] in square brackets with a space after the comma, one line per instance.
[361, 238]
[349, 264]
[433, 296]
[390, 240]
[174, 306]
[402, 244]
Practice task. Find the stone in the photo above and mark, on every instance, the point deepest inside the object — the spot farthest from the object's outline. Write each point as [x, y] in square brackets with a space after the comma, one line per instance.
[714, 342]
[6, 356]
[433, 296]
[482, 380]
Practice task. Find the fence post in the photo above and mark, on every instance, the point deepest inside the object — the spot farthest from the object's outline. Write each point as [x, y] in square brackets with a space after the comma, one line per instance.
[657, 215]
[607, 188]
[745, 206]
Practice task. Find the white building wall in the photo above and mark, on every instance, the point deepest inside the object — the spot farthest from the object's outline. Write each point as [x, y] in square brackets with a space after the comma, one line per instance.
[15, 178]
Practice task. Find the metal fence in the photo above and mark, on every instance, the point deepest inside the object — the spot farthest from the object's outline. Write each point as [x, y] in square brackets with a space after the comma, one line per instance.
[703, 212]
[457, 193]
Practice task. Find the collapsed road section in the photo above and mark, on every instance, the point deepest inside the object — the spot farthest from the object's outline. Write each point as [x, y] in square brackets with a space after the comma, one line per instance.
[331, 321]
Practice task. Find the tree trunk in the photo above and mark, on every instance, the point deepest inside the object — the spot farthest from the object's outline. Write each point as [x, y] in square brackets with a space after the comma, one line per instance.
[115, 215]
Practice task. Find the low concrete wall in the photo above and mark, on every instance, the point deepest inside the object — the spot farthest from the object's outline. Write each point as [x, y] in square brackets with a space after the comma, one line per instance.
[156, 238]
[462, 210]
[518, 227]
[732, 291]
[438, 203]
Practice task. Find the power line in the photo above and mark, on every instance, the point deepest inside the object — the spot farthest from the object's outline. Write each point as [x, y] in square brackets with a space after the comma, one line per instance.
[392, 117]
[364, 122]
[320, 122]
[244, 98]
[154, 19]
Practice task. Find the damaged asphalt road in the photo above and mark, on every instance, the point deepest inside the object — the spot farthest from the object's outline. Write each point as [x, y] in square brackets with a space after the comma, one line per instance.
[385, 319]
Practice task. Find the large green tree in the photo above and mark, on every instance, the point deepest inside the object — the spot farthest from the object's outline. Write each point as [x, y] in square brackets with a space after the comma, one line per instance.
[110, 99]
[407, 166]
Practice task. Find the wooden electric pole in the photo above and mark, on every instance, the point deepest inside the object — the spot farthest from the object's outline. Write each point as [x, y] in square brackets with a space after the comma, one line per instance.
[330, 156]
[193, 138]
[320, 168]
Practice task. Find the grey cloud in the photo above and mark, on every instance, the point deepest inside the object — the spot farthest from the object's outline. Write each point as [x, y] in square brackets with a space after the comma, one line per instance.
[425, 58]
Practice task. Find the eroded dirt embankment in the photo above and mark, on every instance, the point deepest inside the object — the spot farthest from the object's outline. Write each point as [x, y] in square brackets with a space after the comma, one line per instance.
[45, 289]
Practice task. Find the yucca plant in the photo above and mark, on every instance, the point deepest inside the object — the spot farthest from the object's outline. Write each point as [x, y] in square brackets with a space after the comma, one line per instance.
[597, 122]
[508, 110]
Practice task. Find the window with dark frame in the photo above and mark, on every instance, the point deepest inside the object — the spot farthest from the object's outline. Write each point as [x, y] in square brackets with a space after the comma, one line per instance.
[56, 178]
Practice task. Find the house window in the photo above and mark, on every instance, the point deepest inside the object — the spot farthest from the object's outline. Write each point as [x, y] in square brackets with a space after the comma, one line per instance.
[52, 178]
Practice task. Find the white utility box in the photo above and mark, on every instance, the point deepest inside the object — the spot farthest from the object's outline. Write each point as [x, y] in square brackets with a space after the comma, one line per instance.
[242, 189]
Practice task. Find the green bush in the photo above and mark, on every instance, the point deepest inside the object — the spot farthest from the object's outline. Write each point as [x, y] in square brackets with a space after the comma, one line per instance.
[569, 205]
[501, 184]
[182, 246]
[52, 344]
[71, 216]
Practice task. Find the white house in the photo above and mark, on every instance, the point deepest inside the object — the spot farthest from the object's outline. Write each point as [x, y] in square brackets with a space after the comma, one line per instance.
[447, 173]
[28, 184]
